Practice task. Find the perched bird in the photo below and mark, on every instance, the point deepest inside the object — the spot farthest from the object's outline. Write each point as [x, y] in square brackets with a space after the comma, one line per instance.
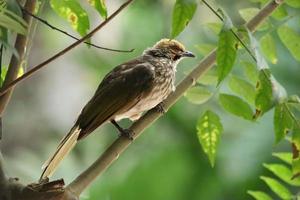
[126, 92]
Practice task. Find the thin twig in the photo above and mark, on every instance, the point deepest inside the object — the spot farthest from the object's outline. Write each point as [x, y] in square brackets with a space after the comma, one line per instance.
[115, 149]
[54, 57]
[14, 65]
[68, 34]
[231, 30]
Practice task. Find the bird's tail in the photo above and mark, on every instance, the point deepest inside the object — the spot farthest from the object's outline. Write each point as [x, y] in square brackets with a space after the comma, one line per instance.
[64, 147]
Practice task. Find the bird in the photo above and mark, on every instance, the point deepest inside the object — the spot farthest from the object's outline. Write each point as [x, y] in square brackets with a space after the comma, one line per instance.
[127, 91]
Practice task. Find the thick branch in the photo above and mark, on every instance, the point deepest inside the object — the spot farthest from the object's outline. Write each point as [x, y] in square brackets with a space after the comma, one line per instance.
[7, 87]
[14, 65]
[112, 153]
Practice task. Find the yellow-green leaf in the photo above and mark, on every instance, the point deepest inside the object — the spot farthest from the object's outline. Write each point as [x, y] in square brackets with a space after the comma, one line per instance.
[268, 48]
[72, 11]
[284, 156]
[291, 39]
[283, 172]
[236, 106]
[258, 195]
[243, 88]
[198, 95]
[209, 129]
[100, 6]
[277, 187]
[226, 52]
[250, 71]
[183, 12]
[293, 3]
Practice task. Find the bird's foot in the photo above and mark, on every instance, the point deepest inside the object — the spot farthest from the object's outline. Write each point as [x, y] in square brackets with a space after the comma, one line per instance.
[128, 133]
[160, 108]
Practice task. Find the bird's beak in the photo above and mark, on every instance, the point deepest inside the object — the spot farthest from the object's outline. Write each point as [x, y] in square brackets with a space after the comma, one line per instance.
[187, 54]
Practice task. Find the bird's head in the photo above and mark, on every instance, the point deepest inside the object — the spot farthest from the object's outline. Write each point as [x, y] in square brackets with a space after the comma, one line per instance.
[168, 48]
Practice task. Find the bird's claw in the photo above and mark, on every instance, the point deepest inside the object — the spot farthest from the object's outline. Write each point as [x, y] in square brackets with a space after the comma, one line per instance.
[128, 133]
[160, 108]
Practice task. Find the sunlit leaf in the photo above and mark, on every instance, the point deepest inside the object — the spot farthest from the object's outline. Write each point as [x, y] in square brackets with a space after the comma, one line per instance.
[283, 122]
[209, 78]
[183, 12]
[242, 88]
[277, 188]
[268, 48]
[258, 195]
[293, 3]
[100, 7]
[72, 11]
[284, 156]
[250, 71]
[296, 149]
[209, 129]
[226, 51]
[12, 21]
[214, 27]
[284, 173]
[280, 12]
[198, 95]
[290, 39]
[236, 106]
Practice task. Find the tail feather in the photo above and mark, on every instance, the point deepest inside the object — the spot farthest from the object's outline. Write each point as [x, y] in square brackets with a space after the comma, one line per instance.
[64, 147]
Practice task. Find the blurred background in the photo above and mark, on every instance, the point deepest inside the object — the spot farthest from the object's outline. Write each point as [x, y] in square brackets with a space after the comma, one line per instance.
[167, 161]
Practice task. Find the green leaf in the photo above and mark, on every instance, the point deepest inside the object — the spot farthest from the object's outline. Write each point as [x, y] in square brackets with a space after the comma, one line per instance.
[258, 195]
[226, 51]
[290, 39]
[236, 106]
[250, 71]
[100, 7]
[209, 129]
[214, 27]
[209, 78]
[183, 12]
[280, 13]
[268, 92]
[283, 172]
[242, 88]
[12, 21]
[72, 11]
[277, 188]
[293, 3]
[284, 156]
[283, 122]
[204, 49]
[198, 95]
[268, 48]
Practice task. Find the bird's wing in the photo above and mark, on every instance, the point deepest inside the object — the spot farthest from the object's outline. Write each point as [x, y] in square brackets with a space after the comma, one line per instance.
[119, 91]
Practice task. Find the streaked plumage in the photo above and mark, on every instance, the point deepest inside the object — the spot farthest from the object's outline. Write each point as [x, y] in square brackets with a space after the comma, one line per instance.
[126, 92]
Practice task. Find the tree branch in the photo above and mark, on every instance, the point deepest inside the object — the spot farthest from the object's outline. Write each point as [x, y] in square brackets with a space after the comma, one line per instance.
[7, 87]
[14, 65]
[71, 36]
[112, 153]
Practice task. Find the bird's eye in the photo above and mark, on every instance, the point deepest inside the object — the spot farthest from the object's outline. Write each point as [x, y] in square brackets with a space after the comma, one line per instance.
[176, 57]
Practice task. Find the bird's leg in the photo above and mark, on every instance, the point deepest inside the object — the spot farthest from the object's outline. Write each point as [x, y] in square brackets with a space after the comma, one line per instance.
[160, 108]
[123, 132]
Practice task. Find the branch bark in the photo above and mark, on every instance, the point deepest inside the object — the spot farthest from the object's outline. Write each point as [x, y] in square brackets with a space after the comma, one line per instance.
[113, 152]
[14, 65]
[11, 84]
